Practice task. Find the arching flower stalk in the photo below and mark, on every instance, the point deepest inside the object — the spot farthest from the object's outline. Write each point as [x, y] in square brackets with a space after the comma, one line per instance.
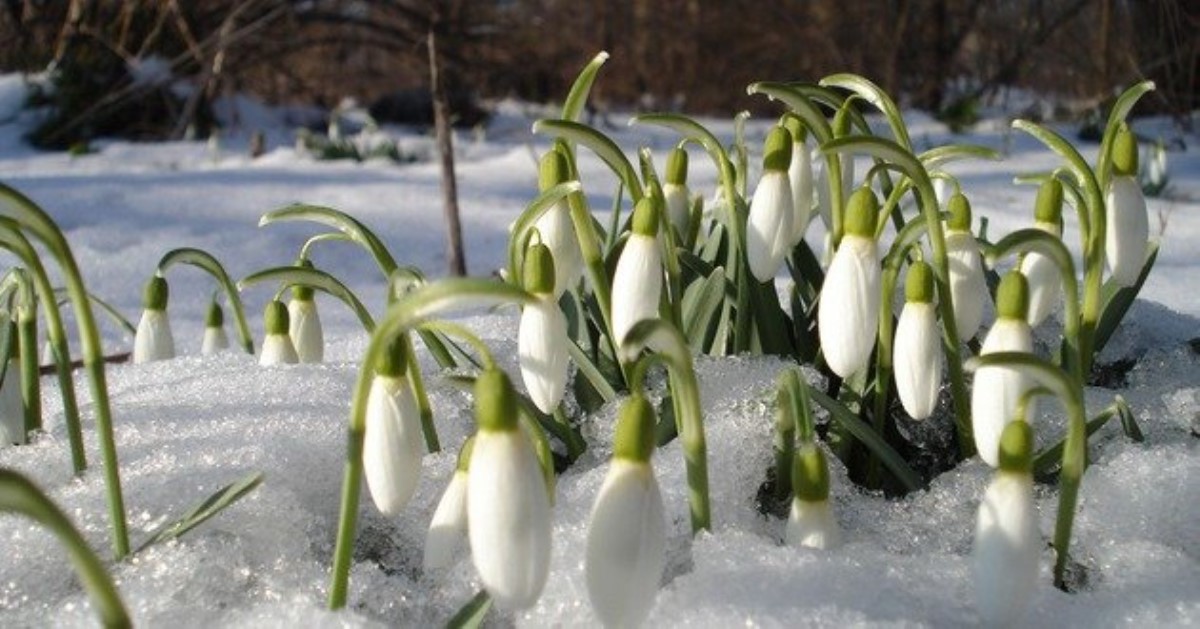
[448, 527]
[918, 346]
[627, 531]
[508, 509]
[392, 444]
[304, 323]
[677, 197]
[811, 523]
[542, 340]
[277, 346]
[770, 224]
[800, 177]
[215, 339]
[153, 340]
[637, 282]
[1127, 232]
[12, 409]
[1045, 280]
[555, 226]
[1007, 540]
[848, 312]
[997, 391]
[968, 286]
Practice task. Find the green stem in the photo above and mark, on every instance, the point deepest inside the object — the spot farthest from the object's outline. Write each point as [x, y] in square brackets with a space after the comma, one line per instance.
[205, 261]
[27, 336]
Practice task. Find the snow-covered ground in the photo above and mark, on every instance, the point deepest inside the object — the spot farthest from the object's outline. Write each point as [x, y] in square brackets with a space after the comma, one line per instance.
[187, 426]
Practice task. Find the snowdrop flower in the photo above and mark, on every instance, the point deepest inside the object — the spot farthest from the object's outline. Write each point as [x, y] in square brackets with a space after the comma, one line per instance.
[449, 524]
[12, 408]
[304, 323]
[1007, 540]
[770, 225]
[637, 282]
[800, 177]
[392, 441]
[277, 347]
[918, 349]
[542, 334]
[215, 338]
[1045, 280]
[555, 226]
[968, 287]
[811, 523]
[677, 197]
[848, 310]
[508, 509]
[1157, 173]
[997, 391]
[627, 531]
[153, 340]
[1128, 229]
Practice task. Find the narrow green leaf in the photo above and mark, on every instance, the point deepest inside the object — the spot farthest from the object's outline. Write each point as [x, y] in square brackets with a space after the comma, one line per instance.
[204, 510]
[1115, 300]
[873, 94]
[472, 614]
[600, 144]
[701, 302]
[340, 221]
[941, 155]
[1119, 113]
[872, 440]
[576, 101]
[63, 297]
[591, 373]
[312, 278]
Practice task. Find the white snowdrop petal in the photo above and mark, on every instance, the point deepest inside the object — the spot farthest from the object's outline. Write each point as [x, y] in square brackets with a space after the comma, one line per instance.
[848, 312]
[918, 359]
[800, 177]
[968, 287]
[811, 524]
[153, 340]
[997, 391]
[626, 545]
[769, 226]
[558, 233]
[1128, 229]
[214, 341]
[304, 328]
[1007, 543]
[1045, 286]
[679, 202]
[637, 284]
[508, 518]
[542, 353]
[277, 349]
[392, 444]
[449, 524]
[12, 409]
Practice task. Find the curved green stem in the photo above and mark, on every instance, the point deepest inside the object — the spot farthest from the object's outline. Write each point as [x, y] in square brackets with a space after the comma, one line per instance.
[601, 145]
[348, 225]
[306, 248]
[518, 240]
[313, 278]
[205, 261]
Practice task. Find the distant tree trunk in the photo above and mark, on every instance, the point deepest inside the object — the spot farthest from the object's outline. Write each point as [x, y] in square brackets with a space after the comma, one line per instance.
[455, 261]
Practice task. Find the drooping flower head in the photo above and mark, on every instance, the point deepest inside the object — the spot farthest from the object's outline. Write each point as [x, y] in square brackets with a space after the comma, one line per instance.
[811, 523]
[392, 441]
[542, 334]
[277, 346]
[677, 197]
[918, 350]
[800, 176]
[1007, 540]
[508, 510]
[154, 340]
[637, 282]
[304, 323]
[997, 391]
[770, 224]
[968, 287]
[1045, 281]
[1127, 232]
[449, 524]
[627, 534]
[555, 226]
[215, 338]
[848, 311]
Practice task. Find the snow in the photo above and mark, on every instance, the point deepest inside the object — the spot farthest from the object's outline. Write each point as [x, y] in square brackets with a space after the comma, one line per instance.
[187, 426]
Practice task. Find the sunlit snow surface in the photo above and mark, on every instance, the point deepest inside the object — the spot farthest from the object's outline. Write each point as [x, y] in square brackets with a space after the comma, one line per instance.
[188, 426]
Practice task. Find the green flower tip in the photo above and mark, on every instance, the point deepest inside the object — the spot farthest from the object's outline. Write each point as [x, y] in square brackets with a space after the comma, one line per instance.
[1125, 153]
[553, 170]
[1048, 208]
[156, 294]
[785, 423]
[810, 474]
[301, 292]
[1012, 297]
[918, 286]
[464, 454]
[1016, 447]
[777, 150]
[495, 402]
[796, 127]
[275, 318]
[215, 317]
[861, 212]
[393, 363]
[646, 217]
[677, 166]
[539, 269]
[634, 438]
[960, 212]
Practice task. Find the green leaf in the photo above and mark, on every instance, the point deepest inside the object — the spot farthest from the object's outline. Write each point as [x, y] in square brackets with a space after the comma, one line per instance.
[939, 156]
[340, 221]
[1115, 301]
[577, 98]
[1119, 113]
[472, 614]
[204, 510]
[701, 302]
[878, 98]
[63, 298]
[872, 440]
[591, 373]
[600, 144]
[312, 278]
